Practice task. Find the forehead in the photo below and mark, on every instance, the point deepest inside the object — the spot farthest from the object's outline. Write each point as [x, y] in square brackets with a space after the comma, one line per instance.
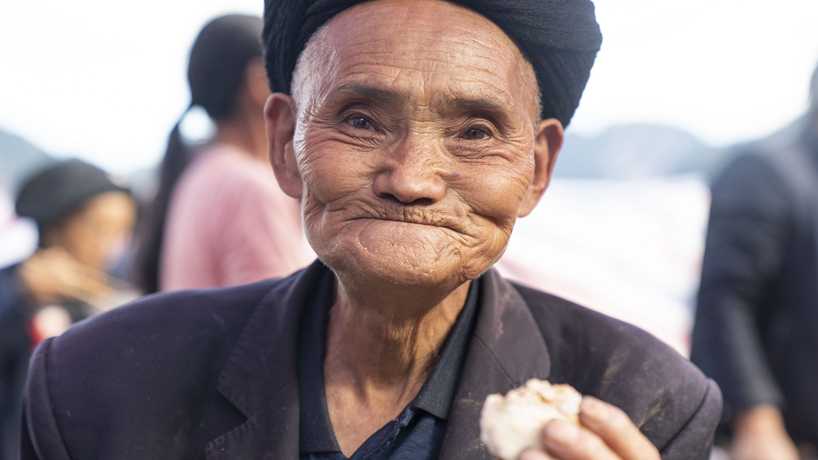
[429, 49]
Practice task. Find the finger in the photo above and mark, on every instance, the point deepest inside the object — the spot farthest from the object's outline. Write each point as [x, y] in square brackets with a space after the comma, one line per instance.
[55, 257]
[90, 287]
[73, 289]
[82, 284]
[91, 278]
[96, 282]
[616, 429]
[532, 454]
[567, 441]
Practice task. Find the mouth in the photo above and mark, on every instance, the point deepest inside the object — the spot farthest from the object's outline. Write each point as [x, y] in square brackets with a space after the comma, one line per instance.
[408, 222]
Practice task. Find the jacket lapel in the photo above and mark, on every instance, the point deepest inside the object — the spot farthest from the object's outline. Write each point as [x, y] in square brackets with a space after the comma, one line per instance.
[260, 377]
[506, 350]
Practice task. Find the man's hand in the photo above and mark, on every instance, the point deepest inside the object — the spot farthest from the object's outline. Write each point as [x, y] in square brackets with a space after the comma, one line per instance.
[606, 434]
[52, 274]
[760, 435]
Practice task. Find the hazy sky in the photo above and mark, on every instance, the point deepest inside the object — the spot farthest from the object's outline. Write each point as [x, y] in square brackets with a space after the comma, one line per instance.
[104, 79]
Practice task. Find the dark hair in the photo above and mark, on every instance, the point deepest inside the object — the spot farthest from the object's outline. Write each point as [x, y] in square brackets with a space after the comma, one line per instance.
[215, 74]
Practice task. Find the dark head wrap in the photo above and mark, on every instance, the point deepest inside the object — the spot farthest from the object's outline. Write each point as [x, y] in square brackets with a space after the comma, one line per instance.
[61, 189]
[560, 38]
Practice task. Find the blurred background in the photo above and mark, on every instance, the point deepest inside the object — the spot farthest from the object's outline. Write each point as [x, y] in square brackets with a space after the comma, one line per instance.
[675, 84]
[622, 228]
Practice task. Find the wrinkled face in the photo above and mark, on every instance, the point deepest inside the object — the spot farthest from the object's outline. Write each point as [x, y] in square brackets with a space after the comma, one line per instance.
[416, 142]
[95, 232]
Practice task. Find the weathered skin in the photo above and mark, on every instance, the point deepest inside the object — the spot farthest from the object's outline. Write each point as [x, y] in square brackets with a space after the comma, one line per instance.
[415, 158]
[413, 139]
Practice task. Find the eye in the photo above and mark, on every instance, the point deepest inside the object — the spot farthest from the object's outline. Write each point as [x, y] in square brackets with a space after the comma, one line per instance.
[476, 133]
[360, 122]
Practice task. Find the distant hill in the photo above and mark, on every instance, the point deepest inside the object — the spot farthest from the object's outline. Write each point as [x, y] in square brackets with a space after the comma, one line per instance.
[637, 151]
[18, 158]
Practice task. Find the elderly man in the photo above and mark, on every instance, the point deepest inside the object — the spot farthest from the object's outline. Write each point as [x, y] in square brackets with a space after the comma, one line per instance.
[414, 133]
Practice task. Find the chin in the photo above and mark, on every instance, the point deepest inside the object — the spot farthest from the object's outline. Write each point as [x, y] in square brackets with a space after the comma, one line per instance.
[413, 271]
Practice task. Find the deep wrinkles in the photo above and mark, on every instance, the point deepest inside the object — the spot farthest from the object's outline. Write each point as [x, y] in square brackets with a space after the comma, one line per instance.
[467, 227]
[457, 221]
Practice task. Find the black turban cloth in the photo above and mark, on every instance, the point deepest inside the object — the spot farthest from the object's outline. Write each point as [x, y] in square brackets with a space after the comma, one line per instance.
[61, 189]
[560, 38]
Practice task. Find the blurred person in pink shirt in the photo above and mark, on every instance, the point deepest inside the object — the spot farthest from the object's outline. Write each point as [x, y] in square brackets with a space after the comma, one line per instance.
[219, 217]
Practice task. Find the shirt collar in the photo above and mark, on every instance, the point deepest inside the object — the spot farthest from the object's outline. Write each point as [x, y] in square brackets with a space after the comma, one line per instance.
[435, 397]
[316, 434]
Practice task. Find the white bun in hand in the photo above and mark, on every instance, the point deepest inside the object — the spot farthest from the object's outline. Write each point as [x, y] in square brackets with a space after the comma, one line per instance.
[513, 423]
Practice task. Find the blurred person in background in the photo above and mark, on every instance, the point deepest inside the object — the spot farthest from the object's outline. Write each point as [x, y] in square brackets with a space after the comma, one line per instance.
[756, 329]
[83, 219]
[219, 217]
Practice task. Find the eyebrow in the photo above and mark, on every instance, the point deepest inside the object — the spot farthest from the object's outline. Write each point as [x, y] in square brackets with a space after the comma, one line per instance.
[482, 107]
[375, 93]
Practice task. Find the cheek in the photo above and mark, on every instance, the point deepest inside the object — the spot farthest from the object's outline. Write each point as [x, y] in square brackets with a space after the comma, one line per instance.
[83, 244]
[331, 172]
[496, 192]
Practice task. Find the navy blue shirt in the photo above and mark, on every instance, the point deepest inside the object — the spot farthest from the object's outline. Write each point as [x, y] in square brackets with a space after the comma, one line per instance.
[417, 433]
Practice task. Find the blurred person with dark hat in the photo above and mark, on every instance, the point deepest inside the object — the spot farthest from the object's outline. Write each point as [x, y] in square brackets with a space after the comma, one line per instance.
[756, 329]
[219, 217]
[415, 133]
[83, 218]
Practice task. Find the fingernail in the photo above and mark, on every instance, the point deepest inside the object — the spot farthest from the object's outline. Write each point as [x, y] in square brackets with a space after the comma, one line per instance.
[533, 455]
[593, 407]
[560, 431]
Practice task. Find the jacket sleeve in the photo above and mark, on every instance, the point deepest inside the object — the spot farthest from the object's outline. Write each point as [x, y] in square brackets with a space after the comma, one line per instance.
[695, 439]
[41, 438]
[748, 227]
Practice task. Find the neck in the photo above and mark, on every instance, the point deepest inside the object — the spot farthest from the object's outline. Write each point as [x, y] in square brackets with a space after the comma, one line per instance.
[382, 349]
[245, 133]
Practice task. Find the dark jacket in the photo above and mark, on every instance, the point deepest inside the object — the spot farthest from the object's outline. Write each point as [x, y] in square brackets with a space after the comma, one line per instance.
[15, 349]
[756, 330]
[212, 374]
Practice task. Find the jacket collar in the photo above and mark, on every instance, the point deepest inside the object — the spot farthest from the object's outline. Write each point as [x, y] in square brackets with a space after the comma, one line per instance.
[260, 376]
[506, 350]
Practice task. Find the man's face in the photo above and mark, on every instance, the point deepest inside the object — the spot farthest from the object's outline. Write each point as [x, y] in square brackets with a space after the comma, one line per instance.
[416, 142]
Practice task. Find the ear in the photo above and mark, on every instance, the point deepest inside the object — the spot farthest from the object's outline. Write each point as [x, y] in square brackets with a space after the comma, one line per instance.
[279, 118]
[548, 140]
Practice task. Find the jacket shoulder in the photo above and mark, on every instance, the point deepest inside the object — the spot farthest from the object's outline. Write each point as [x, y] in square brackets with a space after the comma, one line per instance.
[154, 363]
[658, 388]
[178, 324]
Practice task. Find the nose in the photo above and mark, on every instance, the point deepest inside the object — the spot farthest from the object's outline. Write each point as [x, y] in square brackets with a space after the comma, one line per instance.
[412, 176]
